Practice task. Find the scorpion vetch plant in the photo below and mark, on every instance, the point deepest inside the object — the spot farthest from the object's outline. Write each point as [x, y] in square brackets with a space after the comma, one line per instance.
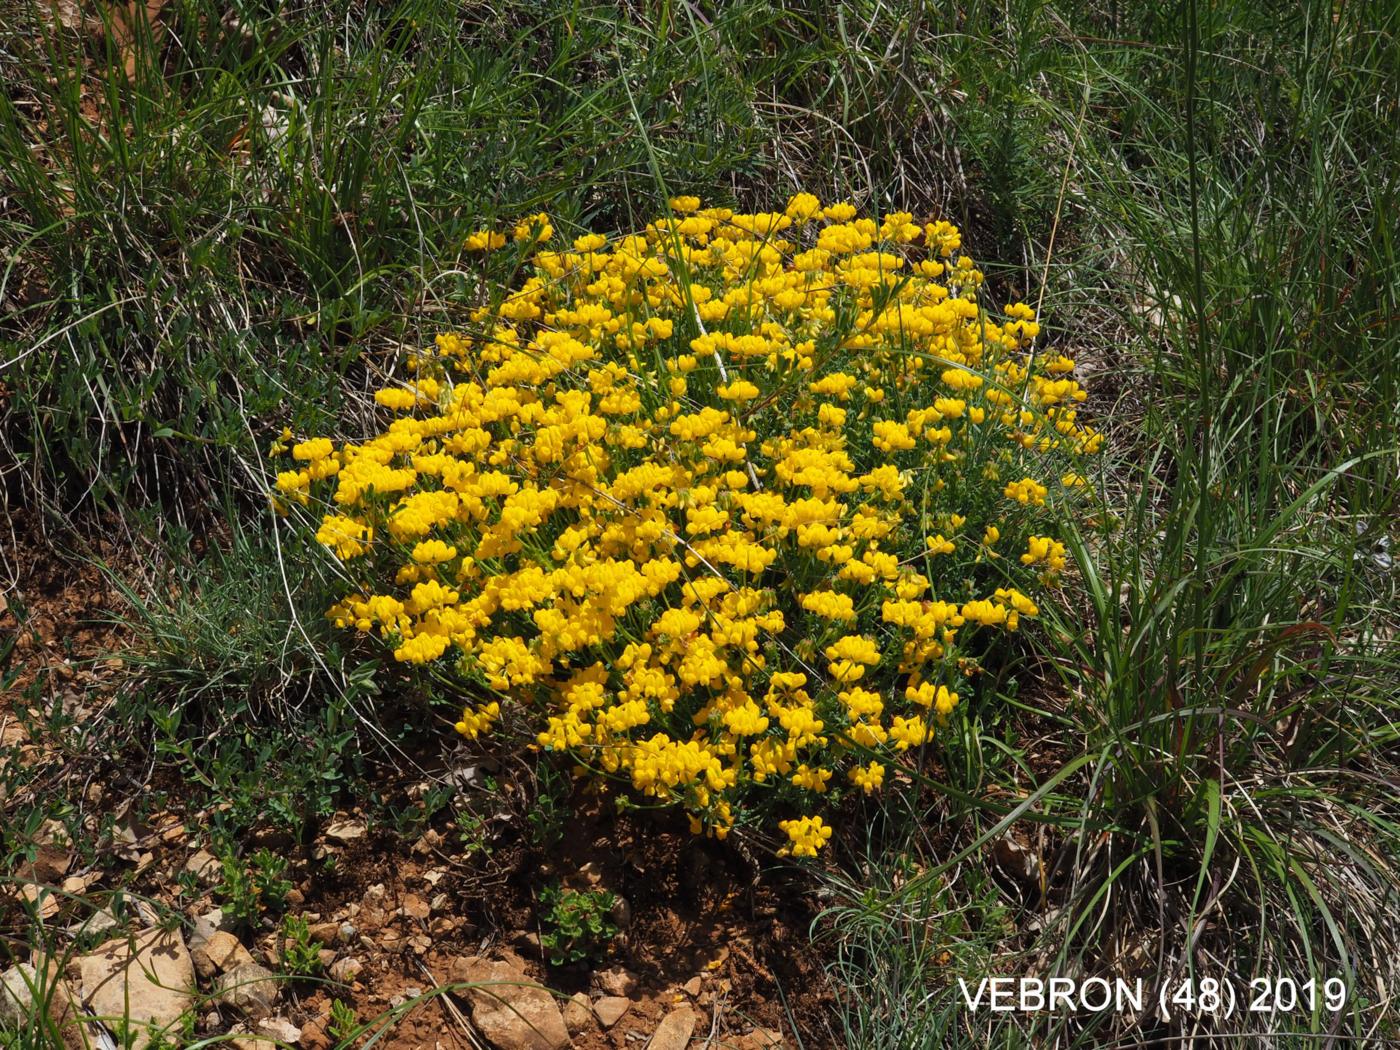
[727, 509]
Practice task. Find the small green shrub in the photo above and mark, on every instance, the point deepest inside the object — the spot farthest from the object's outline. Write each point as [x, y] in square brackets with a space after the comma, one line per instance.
[247, 888]
[343, 1022]
[578, 924]
[300, 956]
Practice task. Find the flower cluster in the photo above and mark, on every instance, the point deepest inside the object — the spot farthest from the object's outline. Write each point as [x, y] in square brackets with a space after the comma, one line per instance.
[729, 504]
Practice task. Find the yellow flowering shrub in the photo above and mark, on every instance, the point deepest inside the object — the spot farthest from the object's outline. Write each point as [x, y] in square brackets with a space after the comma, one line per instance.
[727, 505]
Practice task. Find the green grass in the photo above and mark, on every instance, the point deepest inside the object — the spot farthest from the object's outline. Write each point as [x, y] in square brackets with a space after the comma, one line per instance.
[1206, 722]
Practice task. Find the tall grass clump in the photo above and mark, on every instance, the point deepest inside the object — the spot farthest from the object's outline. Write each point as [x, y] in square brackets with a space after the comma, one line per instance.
[230, 684]
[226, 213]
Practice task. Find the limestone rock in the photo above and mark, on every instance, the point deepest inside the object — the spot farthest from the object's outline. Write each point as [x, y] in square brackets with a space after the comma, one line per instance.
[281, 1029]
[326, 933]
[219, 954]
[250, 988]
[204, 866]
[40, 897]
[94, 925]
[269, 1034]
[346, 970]
[205, 926]
[146, 980]
[346, 831]
[313, 1036]
[510, 1010]
[578, 1014]
[675, 1030]
[25, 991]
[616, 981]
[621, 913]
[610, 1009]
[763, 1039]
[19, 987]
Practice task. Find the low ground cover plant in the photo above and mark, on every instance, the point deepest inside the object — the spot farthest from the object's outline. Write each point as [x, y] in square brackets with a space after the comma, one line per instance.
[736, 502]
[578, 924]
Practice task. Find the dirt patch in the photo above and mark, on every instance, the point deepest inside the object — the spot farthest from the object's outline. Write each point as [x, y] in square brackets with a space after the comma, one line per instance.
[704, 930]
[58, 634]
[57, 610]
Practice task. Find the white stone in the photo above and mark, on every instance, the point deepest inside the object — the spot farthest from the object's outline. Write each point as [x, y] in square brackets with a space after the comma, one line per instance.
[145, 980]
[512, 1012]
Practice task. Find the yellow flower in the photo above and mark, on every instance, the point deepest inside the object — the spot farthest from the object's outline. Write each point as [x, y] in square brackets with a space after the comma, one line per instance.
[476, 721]
[346, 536]
[804, 776]
[314, 450]
[927, 695]
[854, 647]
[738, 390]
[1042, 550]
[908, 732]
[484, 241]
[961, 379]
[806, 835]
[830, 605]
[1027, 490]
[869, 778]
[396, 398]
[432, 552]
[892, 436]
[534, 228]
[939, 545]
[838, 385]
[803, 207]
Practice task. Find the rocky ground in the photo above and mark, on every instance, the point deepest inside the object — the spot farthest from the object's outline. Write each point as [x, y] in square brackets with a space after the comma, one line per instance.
[119, 917]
